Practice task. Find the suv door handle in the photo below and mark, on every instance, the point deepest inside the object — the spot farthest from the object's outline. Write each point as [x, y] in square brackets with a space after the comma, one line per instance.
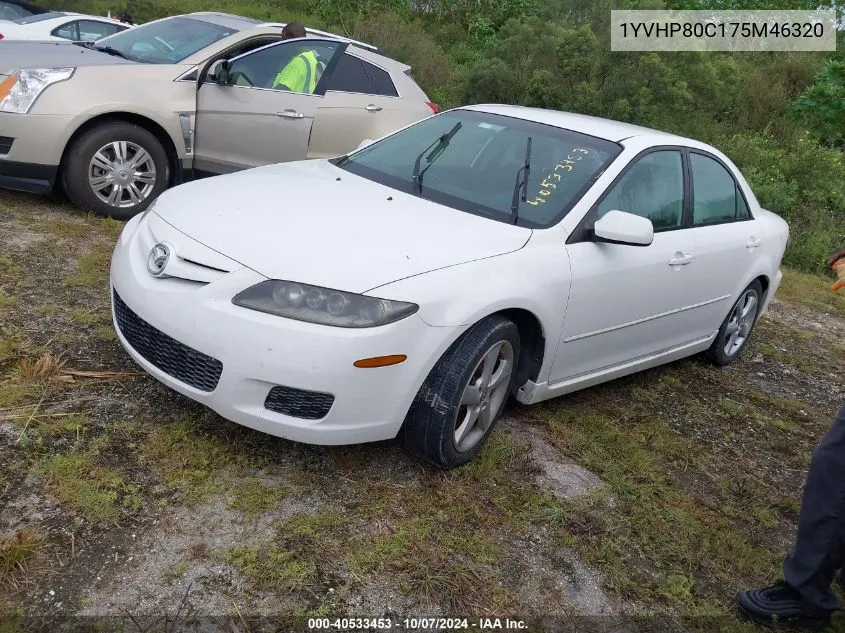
[291, 114]
[753, 242]
[373, 108]
[680, 260]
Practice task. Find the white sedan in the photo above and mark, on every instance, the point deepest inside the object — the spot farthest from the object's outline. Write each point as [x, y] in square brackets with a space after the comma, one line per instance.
[410, 288]
[58, 26]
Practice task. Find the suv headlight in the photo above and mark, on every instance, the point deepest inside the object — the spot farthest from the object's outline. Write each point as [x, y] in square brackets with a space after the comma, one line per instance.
[315, 304]
[20, 89]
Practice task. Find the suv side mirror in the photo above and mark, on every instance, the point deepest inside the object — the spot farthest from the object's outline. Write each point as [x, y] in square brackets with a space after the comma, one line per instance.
[218, 72]
[619, 227]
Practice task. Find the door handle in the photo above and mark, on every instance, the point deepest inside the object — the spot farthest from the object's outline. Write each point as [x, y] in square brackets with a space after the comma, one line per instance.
[291, 114]
[680, 260]
[753, 242]
[373, 108]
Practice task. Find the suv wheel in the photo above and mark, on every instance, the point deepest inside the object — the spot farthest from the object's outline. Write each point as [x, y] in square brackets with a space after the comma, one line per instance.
[115, 170]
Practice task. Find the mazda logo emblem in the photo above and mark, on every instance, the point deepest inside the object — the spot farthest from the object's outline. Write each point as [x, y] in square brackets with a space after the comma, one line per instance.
[158, 258]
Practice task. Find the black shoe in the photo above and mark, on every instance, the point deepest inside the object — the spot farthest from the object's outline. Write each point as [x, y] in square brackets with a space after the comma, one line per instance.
[779, 606]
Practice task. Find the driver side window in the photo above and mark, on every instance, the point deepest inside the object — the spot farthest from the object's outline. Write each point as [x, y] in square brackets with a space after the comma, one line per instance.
[291, 66]
[652, 188]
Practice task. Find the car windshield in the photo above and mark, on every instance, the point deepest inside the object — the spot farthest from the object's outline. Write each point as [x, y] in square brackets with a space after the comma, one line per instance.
[473, 161]
[166, 41]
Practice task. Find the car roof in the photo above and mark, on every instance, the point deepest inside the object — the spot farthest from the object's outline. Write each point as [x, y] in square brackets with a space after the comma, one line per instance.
[594, 126]
[226, 20]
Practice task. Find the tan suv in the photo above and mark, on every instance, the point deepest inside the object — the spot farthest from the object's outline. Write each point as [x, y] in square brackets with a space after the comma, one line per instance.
[118, 121]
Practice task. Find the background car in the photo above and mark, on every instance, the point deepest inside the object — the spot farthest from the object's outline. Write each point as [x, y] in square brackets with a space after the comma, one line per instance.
[119, 121]
[16, 9]
[56, 25]
[411, 287]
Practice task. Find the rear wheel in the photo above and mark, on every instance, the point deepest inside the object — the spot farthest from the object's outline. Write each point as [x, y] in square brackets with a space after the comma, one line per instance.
[463, 396]
[736, 328]
[116, 169]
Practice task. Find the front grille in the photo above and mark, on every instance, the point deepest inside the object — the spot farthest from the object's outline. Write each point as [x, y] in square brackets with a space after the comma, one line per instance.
[169, 355]
[310, 405]
[6, 144]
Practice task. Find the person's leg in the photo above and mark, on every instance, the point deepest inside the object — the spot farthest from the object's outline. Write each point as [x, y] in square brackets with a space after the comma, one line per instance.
[806, 597]
[818, 554]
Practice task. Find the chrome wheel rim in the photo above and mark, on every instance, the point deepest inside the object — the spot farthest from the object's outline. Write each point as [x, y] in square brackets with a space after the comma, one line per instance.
[483, 396]
[740, 322]
[122, 174]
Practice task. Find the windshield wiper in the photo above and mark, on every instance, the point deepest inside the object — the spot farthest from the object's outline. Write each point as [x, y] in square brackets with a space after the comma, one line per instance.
[439, 147]
[111, 51]
[520, 188]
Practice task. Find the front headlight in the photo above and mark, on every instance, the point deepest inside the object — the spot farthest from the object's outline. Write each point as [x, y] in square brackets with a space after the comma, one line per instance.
[20, 89]
[315, 304]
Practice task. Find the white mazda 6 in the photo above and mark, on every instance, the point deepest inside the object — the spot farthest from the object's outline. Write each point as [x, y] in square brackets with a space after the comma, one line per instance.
[408, 289]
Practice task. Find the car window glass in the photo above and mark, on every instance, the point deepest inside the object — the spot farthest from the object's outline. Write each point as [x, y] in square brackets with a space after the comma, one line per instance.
[477, 171]
[742, 212]
[167, 41]
[349, 76]
[69, 31]
[91, 31]
[714, 192]
[13, 12]
[380, 81]
[653, 187]
[293, 66]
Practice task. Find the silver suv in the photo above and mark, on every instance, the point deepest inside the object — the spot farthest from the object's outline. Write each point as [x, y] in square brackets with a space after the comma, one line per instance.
[117, 121]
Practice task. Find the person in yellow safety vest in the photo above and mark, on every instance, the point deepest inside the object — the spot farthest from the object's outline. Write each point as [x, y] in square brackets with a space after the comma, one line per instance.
[300, 74]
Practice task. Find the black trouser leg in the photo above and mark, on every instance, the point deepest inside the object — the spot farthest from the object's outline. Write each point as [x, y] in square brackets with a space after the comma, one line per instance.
[820, 544]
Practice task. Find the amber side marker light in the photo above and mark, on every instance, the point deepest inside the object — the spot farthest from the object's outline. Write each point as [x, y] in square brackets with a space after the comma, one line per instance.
[381, 361]
[7, 85]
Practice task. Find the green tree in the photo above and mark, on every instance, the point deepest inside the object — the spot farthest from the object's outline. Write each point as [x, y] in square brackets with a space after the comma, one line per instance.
[821, 107]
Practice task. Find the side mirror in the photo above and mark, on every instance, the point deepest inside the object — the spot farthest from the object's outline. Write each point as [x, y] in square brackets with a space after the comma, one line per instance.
[619, 227]
[218, 72]
[364, 143]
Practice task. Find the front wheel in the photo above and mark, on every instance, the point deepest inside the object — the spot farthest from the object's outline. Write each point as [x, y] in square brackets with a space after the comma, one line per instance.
[736, 328]
[115, 169]
[463, 396]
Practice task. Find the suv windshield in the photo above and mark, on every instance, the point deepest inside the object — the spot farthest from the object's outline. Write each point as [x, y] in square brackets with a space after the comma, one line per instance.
[166, 41]
[475, 166]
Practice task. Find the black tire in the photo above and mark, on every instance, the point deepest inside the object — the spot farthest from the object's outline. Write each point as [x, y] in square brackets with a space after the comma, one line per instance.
[717, 354]
[429, 428]
[80, 154]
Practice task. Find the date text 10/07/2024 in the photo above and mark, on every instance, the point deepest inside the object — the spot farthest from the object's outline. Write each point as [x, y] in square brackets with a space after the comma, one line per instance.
[413, 624]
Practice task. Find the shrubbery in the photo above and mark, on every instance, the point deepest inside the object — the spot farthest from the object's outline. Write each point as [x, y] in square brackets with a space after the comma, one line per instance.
[780, 116]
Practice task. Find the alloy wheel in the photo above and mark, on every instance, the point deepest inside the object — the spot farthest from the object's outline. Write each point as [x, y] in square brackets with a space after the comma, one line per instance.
[740, 322]
[122, 174]
[483, 395]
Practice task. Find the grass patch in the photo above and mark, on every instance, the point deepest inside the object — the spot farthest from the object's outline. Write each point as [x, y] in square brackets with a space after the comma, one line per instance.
[6, 300]
[272, 567]
[93, 267]
[254, 498]
[98, 316]
[15, 553]
[189, 463]
[812, 291]
[77, 481]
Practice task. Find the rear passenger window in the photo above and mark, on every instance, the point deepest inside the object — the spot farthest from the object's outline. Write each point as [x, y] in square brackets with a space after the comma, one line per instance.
[716, 196]
[69, 31]
[355, 75]
[380, 81]
[350, 76]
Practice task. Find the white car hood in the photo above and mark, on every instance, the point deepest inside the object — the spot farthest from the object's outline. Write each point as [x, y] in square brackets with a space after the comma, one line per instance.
[315, 223]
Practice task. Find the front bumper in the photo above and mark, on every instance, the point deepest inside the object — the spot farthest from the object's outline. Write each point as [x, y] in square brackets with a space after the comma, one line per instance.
[31, 150]
[259, 352]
